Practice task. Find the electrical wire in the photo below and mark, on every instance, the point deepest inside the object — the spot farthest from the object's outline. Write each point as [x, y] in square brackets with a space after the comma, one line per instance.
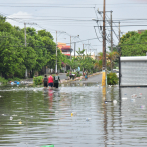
[97, 35]
[44, 6]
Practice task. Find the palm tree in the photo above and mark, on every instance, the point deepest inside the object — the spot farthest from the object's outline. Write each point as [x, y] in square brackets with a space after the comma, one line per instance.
[112, 57]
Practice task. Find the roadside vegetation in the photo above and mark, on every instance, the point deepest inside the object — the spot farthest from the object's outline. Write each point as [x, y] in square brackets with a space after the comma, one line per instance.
[15, 58]
[133, 44]
[40, 51]
[112, 79]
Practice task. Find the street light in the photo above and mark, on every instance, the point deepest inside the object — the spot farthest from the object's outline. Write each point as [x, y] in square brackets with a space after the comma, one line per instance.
[74, 45]
[94, 19]
[104, 76]
[56, 51]
[26, 42]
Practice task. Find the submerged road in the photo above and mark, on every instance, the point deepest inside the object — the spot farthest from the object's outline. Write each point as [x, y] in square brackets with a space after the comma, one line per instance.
[93, 79]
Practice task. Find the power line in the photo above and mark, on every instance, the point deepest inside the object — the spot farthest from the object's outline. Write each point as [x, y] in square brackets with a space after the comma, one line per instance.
[97, 35]
[44, 6]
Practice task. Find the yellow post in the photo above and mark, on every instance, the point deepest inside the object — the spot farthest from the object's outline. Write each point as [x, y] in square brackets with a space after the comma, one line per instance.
[104, 78]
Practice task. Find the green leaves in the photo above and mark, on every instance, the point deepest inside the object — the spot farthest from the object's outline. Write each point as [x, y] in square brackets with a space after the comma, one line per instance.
[134, 44]
[15, 57]
[112, 79]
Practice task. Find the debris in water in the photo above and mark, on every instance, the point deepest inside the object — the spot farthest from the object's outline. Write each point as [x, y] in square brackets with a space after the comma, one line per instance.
[142, 107]
[11, 118]
[124, 98]
[132, 100]
[20, 122]
[114, 101]
[87, 119]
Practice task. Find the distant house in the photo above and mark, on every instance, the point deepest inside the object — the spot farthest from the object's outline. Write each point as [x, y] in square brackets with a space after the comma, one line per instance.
[65, 49]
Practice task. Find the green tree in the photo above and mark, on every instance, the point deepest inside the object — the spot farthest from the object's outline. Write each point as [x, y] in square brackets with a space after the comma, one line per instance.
[134, 44]
[111, 56]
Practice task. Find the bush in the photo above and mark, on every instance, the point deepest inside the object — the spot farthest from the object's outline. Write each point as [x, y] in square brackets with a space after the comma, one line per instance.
[78, 74]
[62, 71]
[3, 81]
[14, 79]
[38, 80]
[112, 79]
[67, 74]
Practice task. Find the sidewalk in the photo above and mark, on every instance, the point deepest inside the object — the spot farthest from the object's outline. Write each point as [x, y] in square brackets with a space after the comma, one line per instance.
[63, 78]
[79, 78]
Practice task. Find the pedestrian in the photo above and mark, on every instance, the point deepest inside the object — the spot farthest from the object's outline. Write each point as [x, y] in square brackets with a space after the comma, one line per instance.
[86, 76]
[45, 81]
[50, 81]
[70, 74]
[56, 80]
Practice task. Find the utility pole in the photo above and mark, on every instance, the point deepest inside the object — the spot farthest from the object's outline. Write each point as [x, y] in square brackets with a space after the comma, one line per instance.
[83, 46]
[104, 49]
[70, 48]
[119, 32]
[56, 54]
[111, 33]
[25, 46]
[26, 75]
[56, 69]
[70, 51]
[74, 48]
[74, 43]
[88, 46]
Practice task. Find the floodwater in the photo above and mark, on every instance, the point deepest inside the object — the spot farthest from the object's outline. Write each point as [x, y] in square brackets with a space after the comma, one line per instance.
[33, 117]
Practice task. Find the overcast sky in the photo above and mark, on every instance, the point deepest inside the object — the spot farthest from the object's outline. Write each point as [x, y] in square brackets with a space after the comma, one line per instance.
[75, 18]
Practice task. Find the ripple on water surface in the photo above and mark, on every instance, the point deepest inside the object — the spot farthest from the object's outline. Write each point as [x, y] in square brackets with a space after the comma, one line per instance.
[80, 116]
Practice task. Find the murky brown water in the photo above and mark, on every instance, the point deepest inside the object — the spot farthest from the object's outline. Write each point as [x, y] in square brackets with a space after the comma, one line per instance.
[33, 117]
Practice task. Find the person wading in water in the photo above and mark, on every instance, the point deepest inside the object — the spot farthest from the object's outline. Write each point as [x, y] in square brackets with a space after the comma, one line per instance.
[50, 81]
[45, 81]
[56, 80]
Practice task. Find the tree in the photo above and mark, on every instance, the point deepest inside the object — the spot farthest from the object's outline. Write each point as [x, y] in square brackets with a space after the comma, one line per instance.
[134, 44]
[112, 57]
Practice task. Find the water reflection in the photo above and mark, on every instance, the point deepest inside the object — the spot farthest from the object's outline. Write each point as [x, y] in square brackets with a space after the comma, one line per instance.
[96, 121]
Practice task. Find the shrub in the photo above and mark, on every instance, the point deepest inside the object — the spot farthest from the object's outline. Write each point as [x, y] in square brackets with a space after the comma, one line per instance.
[14, 79]
[67, 74]
[62, 71]
[112, 79]
[38, 80]
[78, 74]
[3, 81]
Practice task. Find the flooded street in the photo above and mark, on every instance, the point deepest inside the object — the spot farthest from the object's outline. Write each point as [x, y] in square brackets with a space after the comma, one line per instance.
[74, 116]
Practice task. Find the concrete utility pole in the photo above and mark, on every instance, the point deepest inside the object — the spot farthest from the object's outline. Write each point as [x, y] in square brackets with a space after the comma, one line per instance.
[70, 47]
[25, 46]
[111, 33]
[56, 54]
[104, 49]
[26, 75]
[70, 51]
[74, 48]
[56, 69]
[119, 32]
[74, 43]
